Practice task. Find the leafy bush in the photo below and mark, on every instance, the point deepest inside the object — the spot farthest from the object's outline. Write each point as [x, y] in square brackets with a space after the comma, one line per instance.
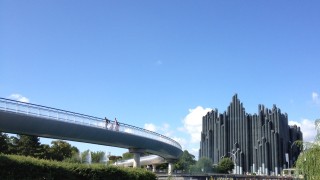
[203, 165]
[20, 167]
[225, 165]
[308, 162]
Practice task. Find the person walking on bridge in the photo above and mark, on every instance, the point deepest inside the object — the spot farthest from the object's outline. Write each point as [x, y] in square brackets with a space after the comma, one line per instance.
[116, 126]
[107, 122]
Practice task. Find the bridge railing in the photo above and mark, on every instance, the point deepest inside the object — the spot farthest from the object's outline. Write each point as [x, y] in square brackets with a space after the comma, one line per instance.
[77, 118]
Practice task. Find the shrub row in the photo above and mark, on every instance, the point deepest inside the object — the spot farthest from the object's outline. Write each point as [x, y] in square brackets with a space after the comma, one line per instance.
[21, 167]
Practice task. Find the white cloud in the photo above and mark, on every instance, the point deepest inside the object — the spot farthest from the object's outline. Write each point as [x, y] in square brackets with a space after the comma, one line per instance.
[150, 127]
[166, 126]
[192, 126]
[182, 129]
[195, 152]
[19, 97]
[181, 141]
[168, 133]
[291, 123]
[308, 129]
[193, 123]
[164, 129]
[127, 130]
[315, 98]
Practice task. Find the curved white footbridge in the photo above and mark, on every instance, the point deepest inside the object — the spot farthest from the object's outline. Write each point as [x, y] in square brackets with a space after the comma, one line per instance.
[26, 118]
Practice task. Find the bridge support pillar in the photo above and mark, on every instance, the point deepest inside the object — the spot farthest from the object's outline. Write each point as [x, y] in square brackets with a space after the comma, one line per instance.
[170, 165]
[170, 168]
[136, 156]
[136, 160]
[154, 167]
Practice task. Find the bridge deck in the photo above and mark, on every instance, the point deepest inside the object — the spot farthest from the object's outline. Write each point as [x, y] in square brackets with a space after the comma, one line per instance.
[22, 121]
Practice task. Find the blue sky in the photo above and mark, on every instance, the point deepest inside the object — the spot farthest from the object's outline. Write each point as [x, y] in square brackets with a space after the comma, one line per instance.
[162, 64]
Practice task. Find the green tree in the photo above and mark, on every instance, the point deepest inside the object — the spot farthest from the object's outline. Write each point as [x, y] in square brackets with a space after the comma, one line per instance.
[75, 157]
[317, 123]
[4, 147]
[185, 161]
[113, 159]
[61, 150]
[162, 167]
[84, 155]
[127, 155]
[75, 150]
[13, 145]
[28, 145]
[203, 165]
[225, 165]
[45, 152]
[97, 156]
[308, 162]
[309, 159]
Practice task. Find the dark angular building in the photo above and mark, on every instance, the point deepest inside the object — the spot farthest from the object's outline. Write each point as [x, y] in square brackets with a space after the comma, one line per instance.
[261, 143]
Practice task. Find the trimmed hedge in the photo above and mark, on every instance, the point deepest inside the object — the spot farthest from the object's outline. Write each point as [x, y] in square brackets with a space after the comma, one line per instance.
[21, 167]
